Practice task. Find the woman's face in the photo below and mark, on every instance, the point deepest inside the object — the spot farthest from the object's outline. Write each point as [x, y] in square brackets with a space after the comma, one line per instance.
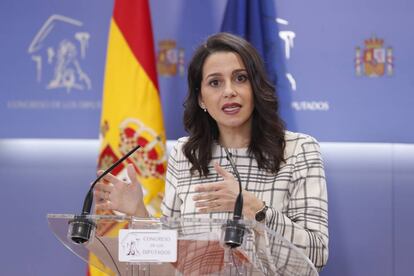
[226, 92]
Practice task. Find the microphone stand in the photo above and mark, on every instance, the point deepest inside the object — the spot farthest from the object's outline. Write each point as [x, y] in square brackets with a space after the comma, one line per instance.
[233, 236]
[81, 227]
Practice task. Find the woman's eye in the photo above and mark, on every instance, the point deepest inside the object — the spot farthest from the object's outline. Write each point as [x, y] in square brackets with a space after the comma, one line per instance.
[214, 83]
[241, 78]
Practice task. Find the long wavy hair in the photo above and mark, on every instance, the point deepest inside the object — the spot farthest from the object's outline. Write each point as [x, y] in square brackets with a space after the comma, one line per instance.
[267, 141]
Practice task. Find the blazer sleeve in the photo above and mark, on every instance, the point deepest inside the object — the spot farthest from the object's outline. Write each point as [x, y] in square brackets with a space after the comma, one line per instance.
[305, 222]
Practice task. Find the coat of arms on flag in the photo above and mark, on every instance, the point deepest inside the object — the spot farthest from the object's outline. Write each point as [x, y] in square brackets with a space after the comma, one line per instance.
[374, 60]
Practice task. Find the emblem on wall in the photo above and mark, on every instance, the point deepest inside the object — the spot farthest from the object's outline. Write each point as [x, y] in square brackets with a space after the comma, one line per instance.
[374, 60]
[170, 59]
[58, 50]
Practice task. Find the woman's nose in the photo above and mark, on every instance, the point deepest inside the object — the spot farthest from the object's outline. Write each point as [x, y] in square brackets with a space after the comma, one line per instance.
[229, 90]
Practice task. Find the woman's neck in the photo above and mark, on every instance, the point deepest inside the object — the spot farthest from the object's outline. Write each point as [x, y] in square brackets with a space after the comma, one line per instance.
[230, 139]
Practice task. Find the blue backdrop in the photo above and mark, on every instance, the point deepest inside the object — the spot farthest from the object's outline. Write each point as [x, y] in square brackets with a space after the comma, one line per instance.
[347, 77]
[346, 65]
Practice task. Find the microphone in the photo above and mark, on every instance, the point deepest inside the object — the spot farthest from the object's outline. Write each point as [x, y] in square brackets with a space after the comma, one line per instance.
[234, 233]
[81, 227]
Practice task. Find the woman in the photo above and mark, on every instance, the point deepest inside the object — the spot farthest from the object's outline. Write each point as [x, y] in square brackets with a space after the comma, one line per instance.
[231, 105]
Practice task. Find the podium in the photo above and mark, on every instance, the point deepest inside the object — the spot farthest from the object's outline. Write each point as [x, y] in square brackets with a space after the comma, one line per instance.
[200, 247]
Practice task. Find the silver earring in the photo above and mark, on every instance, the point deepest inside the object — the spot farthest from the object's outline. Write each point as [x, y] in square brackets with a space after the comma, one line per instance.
[205, 109]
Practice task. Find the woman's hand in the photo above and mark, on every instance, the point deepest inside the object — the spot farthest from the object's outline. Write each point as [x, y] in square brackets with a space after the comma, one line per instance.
[221, 196]
[217, 196]
[113, 194]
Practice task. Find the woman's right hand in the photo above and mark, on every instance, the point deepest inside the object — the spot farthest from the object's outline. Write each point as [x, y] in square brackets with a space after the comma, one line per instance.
[112, 193]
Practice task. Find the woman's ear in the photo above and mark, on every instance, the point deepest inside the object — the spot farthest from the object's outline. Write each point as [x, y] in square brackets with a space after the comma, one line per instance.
[201, 103]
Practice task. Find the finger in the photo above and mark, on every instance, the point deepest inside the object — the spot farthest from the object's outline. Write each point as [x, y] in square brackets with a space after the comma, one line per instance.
[105, 205]
[205, 196]
[132, 174]
[210, 209]
[99, 195]
[207, 204]
[104, 187]
[111, 178]
[225, 174]
[209, 187]
[99, 172]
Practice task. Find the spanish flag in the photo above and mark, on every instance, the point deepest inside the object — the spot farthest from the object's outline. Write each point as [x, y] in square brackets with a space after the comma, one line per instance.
[131, 107]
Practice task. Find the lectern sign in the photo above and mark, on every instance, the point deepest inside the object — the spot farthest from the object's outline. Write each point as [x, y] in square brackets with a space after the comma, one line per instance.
[147, 245]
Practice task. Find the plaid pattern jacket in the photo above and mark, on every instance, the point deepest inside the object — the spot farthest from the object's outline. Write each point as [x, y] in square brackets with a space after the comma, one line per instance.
[296, 195]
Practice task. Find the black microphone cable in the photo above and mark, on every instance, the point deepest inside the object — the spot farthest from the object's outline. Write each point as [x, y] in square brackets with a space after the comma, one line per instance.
[234, 233]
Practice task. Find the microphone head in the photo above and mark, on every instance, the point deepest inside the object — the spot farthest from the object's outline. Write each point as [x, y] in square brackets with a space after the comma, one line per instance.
[234, 232]
[81, 229]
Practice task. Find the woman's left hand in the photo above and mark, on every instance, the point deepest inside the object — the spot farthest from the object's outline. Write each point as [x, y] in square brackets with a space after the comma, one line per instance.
[221, 196]
[217, 196]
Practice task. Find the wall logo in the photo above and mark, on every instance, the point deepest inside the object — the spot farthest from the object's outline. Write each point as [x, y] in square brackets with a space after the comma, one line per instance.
[57, 50]
[170, 59]
[374, 60]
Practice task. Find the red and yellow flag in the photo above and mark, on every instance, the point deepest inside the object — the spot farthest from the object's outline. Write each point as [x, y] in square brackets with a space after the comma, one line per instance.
[131, 107]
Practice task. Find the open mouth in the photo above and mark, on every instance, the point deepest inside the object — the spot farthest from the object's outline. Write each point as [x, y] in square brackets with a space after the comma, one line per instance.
[231, 108]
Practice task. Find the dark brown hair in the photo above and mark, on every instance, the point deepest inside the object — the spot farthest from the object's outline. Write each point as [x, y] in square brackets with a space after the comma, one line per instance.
[267, 142]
